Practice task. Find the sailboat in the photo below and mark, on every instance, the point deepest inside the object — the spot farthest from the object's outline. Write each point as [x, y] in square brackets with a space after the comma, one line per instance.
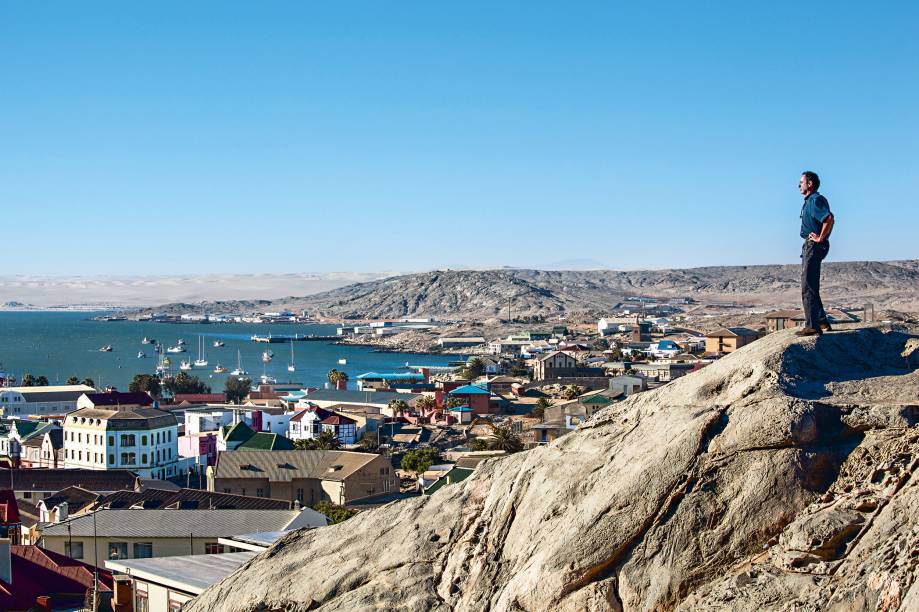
[200, 362]
[265, 378]
[218, 343]
[219, 369]
[291, 367]
[267, 355]
[239, 371]
[185, 365]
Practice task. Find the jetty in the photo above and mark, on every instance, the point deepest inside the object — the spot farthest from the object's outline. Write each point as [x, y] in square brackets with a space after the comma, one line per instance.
[294, 338]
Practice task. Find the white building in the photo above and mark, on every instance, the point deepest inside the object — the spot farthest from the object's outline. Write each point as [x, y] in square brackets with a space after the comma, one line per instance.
[121, 431]
[41, 401]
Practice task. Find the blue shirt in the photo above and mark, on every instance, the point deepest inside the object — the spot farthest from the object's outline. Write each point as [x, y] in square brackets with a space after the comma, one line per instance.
[814, 212]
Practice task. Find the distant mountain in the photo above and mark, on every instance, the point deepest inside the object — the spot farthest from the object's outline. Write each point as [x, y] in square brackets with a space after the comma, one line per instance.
[475, 294]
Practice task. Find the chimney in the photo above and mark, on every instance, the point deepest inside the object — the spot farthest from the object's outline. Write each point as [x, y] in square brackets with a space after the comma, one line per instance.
[6, 561]
[63, 511]
[341, 385]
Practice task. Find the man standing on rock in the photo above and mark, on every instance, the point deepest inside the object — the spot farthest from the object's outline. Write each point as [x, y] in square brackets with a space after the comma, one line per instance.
[816, 226]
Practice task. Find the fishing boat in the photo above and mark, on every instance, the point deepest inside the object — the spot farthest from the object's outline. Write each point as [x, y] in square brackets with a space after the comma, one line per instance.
[200, 362]
[218, 344]
[219, 369]
[141, 354]
[106, 349]
[176, 349]
[239, 371]
[268, 380]
[342, 362]
[291, 367]
[147, 340]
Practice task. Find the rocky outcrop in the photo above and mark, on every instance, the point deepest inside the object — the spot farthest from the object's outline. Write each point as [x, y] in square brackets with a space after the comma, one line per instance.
[780, 477]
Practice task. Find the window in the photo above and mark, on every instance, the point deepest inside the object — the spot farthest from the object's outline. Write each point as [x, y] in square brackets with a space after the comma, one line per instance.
[128, 458]
[169, 433]
[260, 492]
[128, 440]
[143, 459]
[213, 548]
[111, 440]
[226, 490]
[111, 458]
[79, 437]
[143, 550]
[118, 550]
[157, 437]
[300, 495]
[143, 440]
[28, 495]
[141, 598]
[74, 550]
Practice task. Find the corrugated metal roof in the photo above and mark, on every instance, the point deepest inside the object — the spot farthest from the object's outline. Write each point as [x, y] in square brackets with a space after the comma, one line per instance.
[283, 466]
[191, 573]
[173, 523]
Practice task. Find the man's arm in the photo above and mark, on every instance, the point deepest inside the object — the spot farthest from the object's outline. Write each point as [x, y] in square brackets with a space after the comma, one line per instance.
[825, 229]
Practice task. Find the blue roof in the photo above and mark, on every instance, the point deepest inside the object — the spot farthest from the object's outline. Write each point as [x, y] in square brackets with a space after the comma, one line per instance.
[460, 409]
[469, 390]
[392, 375]
[667, 345]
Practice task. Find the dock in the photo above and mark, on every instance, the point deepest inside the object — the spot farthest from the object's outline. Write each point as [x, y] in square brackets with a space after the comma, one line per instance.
[294, 338]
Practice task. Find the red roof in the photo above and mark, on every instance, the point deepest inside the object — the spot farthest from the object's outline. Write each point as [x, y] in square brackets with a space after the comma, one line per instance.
[199, 397]
[337, 419]
[9, 511]
[321, 413]
[37, 572]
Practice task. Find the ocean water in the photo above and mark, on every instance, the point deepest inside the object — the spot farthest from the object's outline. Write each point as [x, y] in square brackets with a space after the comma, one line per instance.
[64, 344]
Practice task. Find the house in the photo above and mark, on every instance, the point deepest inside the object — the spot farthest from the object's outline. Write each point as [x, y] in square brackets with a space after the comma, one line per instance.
[189, 499]
[728, 339]
[663, 372]
[326, 398]
[342, 427]
[305, 476]
[18, 432]
[141, 534]
[784, 319]
[554, 365]
[71, 501]
[10, 522]
[383, 380]
[52, 400]
[628, 385]
[563, 418]
[121, 431]
[165, 584]
[561, 364]
[665, 348]
[242, 437]
[304, 425]
[35, 485]
[475, 397]
[45, 449]
[29, 574]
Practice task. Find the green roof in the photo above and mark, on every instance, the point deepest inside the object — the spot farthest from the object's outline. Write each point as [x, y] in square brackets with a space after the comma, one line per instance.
[457, 474]
[25, 428]
[266, 441]
[240, 432]
[597, 399]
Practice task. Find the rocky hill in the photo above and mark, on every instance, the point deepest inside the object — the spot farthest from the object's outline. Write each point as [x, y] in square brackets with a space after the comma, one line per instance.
[483, 294]
[779, 477]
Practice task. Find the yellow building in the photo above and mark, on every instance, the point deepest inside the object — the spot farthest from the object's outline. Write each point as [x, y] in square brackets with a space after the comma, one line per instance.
[728, 339]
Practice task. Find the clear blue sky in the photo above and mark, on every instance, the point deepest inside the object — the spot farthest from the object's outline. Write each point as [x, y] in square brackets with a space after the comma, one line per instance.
[307, 136]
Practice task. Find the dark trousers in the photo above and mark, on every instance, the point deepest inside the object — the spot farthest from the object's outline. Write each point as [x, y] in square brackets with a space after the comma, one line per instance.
[812, 255]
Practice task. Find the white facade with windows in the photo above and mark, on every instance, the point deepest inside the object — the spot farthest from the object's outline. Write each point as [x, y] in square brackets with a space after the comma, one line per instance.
[143, 440]
[40, 401]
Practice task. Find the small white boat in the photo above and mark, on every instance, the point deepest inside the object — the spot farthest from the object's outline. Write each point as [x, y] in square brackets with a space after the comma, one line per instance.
[200, 362]
[106, 349]
[267, 356]
[219, 369]
[185, 365]
[167, 361]
[342, 362]
[176, 349]
[218, 344]
[181, 342]
[268, 379]
[292, 366]
[141, 354]
[239, 371]
[147, 340]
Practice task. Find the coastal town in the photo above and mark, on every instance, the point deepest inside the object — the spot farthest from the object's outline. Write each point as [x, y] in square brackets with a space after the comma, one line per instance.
[141, 498]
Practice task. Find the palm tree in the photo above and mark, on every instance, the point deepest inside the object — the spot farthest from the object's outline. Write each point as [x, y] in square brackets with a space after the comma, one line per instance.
[398, 407]
[506, 440]
[73, 380]
[425, 403]
[337, 375]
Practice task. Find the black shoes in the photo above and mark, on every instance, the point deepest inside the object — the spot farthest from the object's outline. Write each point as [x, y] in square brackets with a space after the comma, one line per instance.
[809, 331]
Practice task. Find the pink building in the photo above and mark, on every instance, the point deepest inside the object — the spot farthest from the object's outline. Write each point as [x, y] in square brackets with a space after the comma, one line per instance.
[198, 444]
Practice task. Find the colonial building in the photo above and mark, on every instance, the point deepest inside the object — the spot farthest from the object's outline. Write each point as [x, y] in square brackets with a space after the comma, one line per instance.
[121, 431]
[305, 476]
